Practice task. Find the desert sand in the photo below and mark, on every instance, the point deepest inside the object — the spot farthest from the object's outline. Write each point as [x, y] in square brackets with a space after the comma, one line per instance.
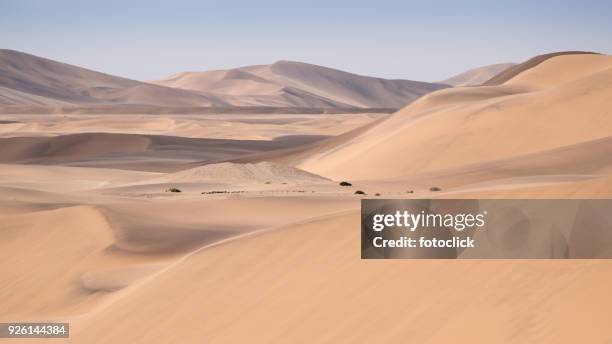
[262, 245]
[477, 76]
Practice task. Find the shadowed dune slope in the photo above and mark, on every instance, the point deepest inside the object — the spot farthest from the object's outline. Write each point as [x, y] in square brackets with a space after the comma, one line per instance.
[136, 151]
[30, 84]
[31, 80]
[288, 83]
[294, 155]
[477, 76]
[562, 101]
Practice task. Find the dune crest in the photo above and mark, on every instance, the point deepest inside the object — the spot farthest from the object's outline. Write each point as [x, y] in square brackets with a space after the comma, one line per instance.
[476, 76]
[289, 83]
[539, 109]
[32, 84]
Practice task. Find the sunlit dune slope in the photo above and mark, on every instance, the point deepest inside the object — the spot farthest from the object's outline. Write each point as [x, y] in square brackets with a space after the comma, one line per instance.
[515, 70]
[560, 102]
[64, 262]
[305, 283]
[51, 248]
[263, 172]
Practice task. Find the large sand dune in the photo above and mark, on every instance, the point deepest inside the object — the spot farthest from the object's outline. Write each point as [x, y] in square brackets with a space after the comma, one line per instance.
[539, 109]
[288, 83]
[515, 70]
[296, 285]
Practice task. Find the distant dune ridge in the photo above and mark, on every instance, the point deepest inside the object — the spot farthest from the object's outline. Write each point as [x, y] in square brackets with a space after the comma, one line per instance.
[289, 83]
[34, 84]
[31, 80]
[477, 76]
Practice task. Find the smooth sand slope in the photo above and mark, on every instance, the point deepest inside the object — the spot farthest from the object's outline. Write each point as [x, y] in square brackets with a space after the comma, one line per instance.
[306, 283]
[213, 126]
[68, 261]
[561, 102]
[476, 76]
[289, 83]
[515, 70]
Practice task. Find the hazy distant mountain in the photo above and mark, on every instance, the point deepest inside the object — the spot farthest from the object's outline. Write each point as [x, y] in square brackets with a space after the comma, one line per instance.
[31, 80]
[477, 76]
[288, 83]
[39, 83]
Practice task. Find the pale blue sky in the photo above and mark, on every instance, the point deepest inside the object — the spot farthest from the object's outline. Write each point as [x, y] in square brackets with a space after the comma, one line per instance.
[420, 40]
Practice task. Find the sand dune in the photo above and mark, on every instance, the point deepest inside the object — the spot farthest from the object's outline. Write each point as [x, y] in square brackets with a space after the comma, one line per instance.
[217, 126]
[31, 80]
[241, 173]
[539, 109]
[532, 62]
[476, 76]
[135, 152]
[32, 84]
[288, 83]
[109, 247]
[64, 179]
[258, 296]
[54, 240]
